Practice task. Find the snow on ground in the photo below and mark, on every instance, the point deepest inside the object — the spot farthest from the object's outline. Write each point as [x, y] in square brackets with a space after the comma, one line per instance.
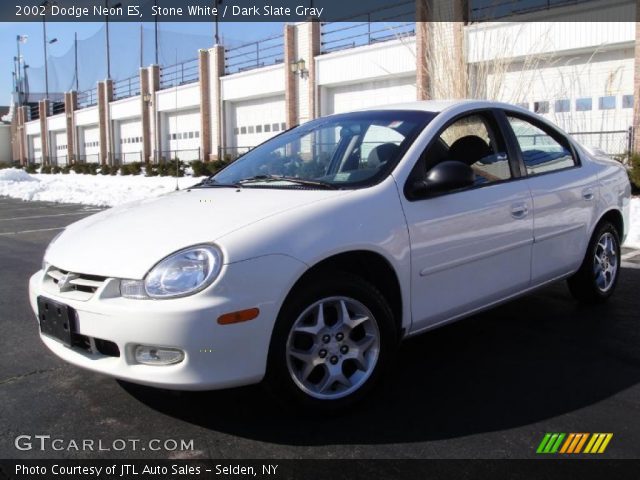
[99, 190]
[633, 239]
[108, 191]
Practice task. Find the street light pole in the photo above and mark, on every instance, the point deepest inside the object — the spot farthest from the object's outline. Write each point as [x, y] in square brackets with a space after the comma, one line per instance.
[155, 20]
[46, 69]
[106, 5]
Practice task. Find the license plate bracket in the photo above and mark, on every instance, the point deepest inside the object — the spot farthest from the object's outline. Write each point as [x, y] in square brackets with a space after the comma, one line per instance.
[57, 320]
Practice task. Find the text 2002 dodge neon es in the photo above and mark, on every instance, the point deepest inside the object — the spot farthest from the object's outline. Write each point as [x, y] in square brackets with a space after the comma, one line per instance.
[305, 262]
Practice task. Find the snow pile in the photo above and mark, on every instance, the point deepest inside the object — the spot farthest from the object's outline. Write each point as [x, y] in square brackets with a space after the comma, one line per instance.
[15, 175]
[99, 190]
[633, 239]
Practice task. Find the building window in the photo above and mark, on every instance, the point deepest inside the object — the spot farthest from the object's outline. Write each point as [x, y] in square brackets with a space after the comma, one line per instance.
[267, 128]
[275, 127]
[236, 131]
[251, 129]
[243, 130]
[258, 128]
[583, 104]
[541, 107]
[283, 126]
[627, 101]
[197, 134]
[607, 103]
[190, 134]
[563, 105]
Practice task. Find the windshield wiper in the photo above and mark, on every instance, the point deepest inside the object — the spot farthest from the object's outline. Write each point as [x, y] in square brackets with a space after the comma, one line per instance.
[278, 178]
[210, 182]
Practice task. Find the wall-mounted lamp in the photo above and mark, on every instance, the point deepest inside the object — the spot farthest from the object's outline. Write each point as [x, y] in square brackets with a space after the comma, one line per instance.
[299, 68]
[146, 98]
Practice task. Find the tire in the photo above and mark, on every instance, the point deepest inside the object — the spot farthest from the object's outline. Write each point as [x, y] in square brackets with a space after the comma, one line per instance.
[328, 363]
[598, 275]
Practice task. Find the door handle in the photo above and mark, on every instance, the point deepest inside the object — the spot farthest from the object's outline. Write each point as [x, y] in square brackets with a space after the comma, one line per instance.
[519, 210]
[587, 194]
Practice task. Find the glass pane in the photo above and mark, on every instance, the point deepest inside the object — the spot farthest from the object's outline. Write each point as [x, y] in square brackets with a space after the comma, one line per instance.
[540, 151]
[607, 103]
[341, 150]
[627, 101]
[583, 104]
[541, 107]
[470, 140]
[563, 105]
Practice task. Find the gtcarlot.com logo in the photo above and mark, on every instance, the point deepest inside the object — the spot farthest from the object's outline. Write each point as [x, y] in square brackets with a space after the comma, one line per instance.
[574, 443]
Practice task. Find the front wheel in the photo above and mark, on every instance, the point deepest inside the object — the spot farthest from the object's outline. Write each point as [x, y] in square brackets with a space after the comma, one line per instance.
[331, 341]
[596, 280]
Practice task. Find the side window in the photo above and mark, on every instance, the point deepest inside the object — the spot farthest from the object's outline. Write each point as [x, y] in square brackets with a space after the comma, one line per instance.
[541, 152]
[472, 140]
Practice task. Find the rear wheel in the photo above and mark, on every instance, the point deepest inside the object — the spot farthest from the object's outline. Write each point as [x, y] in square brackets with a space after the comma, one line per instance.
[332, 339]
[596, 280]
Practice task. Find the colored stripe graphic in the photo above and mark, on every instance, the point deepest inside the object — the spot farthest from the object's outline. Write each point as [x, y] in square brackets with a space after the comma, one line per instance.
[598, 442]
[573, 443]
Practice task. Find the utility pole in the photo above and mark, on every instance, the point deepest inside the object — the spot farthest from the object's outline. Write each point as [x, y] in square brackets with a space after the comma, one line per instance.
[75, 53]
[155, 27]
[106, 5]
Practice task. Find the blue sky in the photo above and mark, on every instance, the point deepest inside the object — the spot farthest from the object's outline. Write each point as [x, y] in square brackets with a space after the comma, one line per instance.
[123, 59]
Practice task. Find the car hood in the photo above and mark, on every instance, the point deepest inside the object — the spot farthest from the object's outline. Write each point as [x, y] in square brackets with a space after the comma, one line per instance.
[126, 241]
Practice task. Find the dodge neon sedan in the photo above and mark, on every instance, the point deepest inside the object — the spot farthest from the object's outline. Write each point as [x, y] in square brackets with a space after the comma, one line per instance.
[307, 261]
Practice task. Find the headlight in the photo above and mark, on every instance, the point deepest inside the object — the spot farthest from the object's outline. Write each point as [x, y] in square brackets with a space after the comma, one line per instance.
[182, 273]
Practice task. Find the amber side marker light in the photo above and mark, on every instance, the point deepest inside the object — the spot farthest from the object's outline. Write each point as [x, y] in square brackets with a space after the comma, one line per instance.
[238, 317]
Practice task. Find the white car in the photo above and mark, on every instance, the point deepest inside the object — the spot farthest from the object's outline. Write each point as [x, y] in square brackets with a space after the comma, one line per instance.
[306, 262]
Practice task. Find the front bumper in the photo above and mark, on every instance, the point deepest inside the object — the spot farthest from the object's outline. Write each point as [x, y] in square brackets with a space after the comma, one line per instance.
[216, 356]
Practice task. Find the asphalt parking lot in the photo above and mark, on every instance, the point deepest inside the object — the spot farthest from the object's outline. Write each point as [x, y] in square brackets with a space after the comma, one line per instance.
[487, 387]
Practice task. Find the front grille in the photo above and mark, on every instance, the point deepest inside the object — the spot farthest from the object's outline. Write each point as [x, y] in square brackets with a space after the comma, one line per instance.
[78, 286]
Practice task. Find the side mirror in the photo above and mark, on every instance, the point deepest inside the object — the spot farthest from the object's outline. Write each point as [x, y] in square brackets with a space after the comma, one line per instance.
[443, 177]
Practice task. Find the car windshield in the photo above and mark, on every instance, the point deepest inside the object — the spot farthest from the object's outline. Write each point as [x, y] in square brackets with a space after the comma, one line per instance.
[341, 151]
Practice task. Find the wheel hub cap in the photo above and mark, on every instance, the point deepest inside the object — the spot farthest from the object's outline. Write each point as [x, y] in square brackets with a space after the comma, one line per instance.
[333, 348]
[605, 262]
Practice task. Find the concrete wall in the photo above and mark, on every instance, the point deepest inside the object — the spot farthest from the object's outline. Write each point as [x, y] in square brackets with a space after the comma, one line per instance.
[5, 143]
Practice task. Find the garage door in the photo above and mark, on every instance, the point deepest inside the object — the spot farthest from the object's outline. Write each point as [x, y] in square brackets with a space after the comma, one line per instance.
[59, 147]
[130, 140]
[35, 148]
[368, 94]
[90, 144]
[183, 135]
[254, 121]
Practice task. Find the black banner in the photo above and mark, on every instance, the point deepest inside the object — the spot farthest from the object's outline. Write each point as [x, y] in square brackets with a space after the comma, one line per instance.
[321, 10]
[547, 469]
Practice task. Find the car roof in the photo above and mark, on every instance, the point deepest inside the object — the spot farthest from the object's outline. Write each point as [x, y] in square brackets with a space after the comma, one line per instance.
[437, 106]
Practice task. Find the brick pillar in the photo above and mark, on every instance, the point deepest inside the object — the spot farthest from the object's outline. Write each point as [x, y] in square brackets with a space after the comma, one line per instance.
[314, 51]
[145, 114]
[205, 104]
[216, 117]
[43, 109]
[422, 45]
[21, 137]
[15, 146]
[70, 106]
[290, 87]
[154, 124]
[636, 87]
[105, 96]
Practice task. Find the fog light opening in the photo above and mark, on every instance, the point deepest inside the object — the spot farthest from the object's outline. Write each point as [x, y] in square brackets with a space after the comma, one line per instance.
[151, 355]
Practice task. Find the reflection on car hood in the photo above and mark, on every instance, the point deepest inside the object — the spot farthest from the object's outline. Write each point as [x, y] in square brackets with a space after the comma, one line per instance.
[126, 241]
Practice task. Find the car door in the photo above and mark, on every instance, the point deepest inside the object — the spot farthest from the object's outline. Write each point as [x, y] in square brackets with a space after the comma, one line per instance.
[469, 247]
[564, 197]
